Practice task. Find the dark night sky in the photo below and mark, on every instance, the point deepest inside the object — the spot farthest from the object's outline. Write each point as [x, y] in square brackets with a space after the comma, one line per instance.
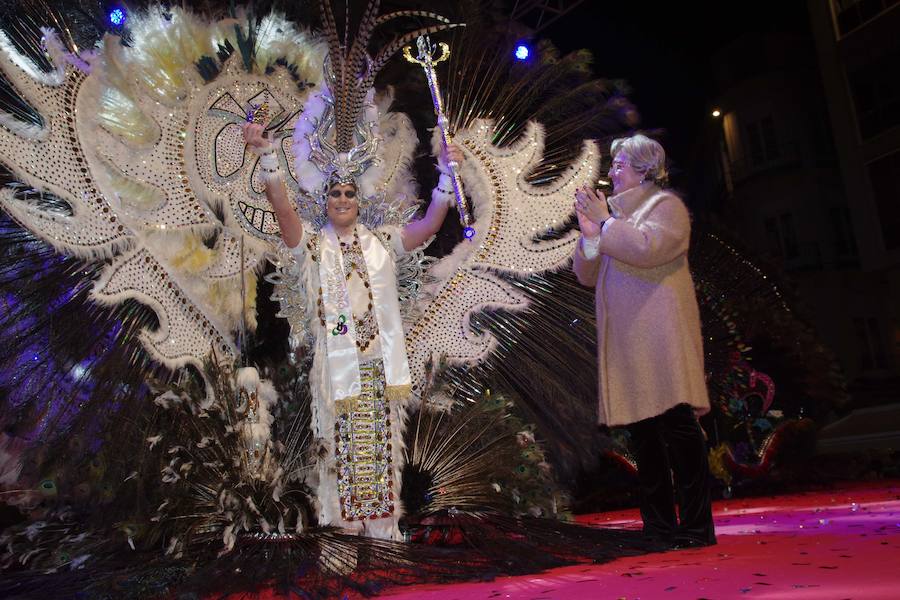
[663, 51]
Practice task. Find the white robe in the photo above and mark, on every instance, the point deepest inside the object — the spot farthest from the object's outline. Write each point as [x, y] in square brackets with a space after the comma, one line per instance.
[327, 400]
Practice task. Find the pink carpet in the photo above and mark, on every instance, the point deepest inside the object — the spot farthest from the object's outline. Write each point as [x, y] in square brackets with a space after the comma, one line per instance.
[837, 544]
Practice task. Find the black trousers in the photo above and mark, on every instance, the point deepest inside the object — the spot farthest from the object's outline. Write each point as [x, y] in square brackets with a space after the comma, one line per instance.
[666, 447]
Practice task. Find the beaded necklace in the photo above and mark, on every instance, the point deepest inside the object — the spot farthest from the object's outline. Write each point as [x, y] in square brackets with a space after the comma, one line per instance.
[354, 262]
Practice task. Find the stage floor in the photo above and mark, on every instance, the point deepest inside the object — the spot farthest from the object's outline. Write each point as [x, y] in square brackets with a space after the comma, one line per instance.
[842, 543]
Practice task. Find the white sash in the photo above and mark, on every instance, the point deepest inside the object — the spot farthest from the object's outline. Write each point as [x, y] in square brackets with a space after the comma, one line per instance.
[343, 360]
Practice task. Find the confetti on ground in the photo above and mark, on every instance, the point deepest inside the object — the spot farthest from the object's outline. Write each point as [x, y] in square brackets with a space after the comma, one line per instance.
[841, 543]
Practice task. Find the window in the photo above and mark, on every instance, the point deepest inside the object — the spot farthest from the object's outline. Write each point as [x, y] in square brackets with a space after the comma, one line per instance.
[762, 141]
[886, 192]
[757, 155]
[789, 236]
[781, 236]
[850, 14]
[871, 347]
[842, 228]
[875, 89]
[772, 235]
[769, 140]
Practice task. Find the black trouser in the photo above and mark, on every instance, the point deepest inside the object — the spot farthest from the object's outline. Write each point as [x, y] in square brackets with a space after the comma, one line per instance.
[666, 446]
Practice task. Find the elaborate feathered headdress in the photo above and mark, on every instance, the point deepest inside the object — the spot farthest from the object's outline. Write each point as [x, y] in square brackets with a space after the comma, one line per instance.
[336, 139]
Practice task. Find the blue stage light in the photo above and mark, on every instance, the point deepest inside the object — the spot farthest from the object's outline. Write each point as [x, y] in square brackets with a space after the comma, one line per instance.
[522, 52]
[117, 16]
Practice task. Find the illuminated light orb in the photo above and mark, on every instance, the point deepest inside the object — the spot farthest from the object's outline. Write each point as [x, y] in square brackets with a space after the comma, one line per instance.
[522, 52]
[117, 16]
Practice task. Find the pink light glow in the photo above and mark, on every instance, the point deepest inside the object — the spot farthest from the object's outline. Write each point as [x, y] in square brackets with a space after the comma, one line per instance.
[833, 544]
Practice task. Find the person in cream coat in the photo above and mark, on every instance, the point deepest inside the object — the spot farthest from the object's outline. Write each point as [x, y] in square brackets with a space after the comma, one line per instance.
[633, 252]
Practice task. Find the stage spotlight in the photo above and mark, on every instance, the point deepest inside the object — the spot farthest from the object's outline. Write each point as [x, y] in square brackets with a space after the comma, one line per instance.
[117, 17]
[522, 52]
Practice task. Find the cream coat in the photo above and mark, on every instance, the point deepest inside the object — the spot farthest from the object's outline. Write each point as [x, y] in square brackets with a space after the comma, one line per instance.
[649, 346]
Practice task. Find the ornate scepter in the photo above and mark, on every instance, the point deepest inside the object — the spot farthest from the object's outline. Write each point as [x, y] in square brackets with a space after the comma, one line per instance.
[427, 61]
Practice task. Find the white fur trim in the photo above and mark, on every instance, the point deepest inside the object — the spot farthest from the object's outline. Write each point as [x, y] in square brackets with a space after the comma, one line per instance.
[31, 131]
[59, 54]
[247, 378]
[309, 176]
[54, 78]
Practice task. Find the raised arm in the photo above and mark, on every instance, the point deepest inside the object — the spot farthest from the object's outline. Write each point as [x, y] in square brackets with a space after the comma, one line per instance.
[289, 222]
[417, 232]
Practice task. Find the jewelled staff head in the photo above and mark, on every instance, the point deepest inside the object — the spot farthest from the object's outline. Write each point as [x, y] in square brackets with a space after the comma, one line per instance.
[427, 52]
[258, 113]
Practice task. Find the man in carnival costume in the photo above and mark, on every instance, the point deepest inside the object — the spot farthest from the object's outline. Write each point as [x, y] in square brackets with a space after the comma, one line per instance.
[360, 375]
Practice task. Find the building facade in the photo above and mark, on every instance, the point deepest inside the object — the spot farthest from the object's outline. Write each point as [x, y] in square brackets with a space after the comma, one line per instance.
[807, 179]
[858, 47]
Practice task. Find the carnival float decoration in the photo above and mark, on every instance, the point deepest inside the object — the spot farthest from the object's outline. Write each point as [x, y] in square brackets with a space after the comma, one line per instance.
[139, 357]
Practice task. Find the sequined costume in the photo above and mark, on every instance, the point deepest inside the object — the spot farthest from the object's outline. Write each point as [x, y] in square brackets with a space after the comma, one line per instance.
[132, 160]
[357, 408]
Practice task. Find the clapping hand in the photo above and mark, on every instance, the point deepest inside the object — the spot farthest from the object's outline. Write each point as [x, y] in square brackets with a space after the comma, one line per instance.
[591, 209]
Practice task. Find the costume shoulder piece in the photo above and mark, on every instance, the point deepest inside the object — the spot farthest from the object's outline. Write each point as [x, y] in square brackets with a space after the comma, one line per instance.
[142, 145]
[512, 220]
